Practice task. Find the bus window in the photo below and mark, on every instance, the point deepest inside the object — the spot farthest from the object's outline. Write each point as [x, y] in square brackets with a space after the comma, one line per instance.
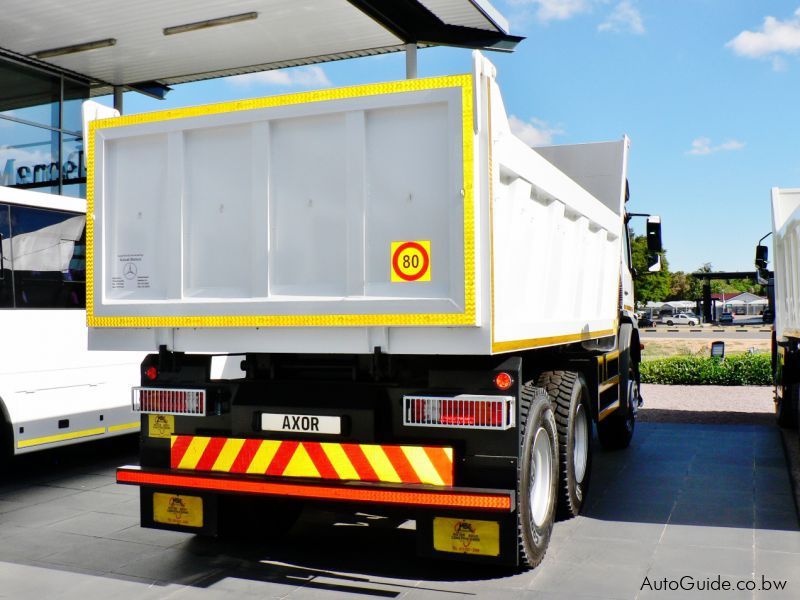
[6, 284]
[48, 254]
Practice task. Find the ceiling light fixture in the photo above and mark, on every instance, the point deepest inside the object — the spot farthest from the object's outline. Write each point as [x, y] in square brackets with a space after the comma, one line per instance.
[42, 54]
[210, 23]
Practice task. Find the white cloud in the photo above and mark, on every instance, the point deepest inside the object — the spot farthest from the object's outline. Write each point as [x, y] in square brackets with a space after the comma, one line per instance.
[774, 37]
[702, 146]
[556, 10]
[534, 132]
[625, 18]
[302, 77]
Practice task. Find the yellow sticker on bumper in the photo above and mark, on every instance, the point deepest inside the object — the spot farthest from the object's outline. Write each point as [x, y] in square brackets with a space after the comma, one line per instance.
[466, 536]
[172, 509]
[160, 426]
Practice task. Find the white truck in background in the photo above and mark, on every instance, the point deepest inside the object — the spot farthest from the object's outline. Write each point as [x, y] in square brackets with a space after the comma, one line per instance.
[375, 297]
[786, 309]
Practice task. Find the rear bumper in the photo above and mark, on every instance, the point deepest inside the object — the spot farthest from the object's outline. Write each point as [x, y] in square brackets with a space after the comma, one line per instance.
[413, 496]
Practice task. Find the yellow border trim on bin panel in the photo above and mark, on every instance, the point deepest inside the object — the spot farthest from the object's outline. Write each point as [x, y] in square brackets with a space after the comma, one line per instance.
[468, 317]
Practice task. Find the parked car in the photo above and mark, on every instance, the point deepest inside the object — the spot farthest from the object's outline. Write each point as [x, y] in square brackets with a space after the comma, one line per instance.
[645, 321]
[725, 318]
[682, 320]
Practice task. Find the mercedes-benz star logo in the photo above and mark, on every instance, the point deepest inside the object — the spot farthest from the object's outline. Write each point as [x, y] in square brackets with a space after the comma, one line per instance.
[129, 271]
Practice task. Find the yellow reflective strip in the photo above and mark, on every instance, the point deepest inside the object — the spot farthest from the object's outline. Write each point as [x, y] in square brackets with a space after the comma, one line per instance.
[608, 410]
[263, 456]
[449, 454]
[607, 385]
[124, 426]
[550, 341]
[380, 463]
[467, 317]
[301, 464]
[49, 439]
[341, 464]
[422, 465]
[227, 455]
[194, 452]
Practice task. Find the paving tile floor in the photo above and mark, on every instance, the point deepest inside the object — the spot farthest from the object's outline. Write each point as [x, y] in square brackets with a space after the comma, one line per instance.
[686, 500]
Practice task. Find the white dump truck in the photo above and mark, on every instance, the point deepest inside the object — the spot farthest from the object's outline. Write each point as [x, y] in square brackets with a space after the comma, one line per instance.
[785, 302]
[374, 297]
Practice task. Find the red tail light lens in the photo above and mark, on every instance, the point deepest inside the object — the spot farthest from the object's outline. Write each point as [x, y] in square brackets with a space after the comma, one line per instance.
[480, 412]
[151, 373]
[169, 401]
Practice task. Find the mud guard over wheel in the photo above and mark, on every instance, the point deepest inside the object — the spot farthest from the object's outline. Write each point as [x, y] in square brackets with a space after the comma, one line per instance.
[570, 400]
[537, 483]
[616, 430]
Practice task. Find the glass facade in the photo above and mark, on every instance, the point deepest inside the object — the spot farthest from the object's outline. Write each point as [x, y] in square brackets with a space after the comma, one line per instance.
[41, 143]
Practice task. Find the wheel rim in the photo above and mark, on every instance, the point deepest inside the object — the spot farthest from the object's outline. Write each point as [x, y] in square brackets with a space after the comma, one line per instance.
[633, 402]
[541, 477]
[580, 446]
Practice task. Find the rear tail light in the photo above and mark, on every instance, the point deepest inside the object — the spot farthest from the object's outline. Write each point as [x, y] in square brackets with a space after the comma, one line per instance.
[169, 401]
[463, 411]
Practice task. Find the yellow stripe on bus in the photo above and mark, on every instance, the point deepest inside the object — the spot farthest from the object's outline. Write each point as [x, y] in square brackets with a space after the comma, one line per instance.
[49, 439]
[124, 426]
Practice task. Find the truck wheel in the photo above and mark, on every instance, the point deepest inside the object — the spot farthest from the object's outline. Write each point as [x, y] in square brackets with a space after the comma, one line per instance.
[786, 409]
[570, 399]
[538, 476]
[616, 430]
[256, 519]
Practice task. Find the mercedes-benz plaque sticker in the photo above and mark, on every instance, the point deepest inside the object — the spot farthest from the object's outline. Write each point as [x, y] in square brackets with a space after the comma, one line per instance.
[130, 274]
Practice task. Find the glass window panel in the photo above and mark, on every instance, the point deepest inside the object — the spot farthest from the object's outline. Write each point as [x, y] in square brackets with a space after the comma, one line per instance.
[73, 160]
[6, 283]
[29, 94]
[28, 157]
[74, 95]
[49, 258]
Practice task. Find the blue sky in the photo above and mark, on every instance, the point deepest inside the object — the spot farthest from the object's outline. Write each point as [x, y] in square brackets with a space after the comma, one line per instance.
[708, 90]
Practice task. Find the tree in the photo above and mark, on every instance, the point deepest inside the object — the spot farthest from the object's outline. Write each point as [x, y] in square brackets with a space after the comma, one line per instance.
[649, 287]
[683, 286]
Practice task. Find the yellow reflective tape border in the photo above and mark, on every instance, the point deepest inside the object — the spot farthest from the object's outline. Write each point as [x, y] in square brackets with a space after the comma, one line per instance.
[467, 317]
[49, 439]
[551, 341]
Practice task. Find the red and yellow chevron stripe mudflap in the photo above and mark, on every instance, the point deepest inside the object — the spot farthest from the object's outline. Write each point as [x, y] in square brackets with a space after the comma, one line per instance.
[432, 465]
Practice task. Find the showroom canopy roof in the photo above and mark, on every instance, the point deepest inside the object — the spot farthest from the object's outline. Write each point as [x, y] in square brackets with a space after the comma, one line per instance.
[120, 42]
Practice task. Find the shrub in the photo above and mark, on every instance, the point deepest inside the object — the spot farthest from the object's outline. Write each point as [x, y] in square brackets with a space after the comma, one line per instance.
[739, 369]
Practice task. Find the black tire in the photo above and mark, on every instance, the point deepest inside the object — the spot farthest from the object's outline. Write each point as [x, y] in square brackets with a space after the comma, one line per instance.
[246, 518]
[669, 323]
[786, 409]
[535, 523]
[616, 430]
[570, 399]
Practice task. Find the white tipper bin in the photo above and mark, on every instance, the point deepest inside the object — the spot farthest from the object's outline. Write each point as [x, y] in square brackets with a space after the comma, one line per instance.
[403, 216]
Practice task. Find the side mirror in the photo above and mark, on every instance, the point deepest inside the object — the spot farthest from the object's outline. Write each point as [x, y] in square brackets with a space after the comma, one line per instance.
[654, 235]
[762, 254]
[762, 276]
[654, 262]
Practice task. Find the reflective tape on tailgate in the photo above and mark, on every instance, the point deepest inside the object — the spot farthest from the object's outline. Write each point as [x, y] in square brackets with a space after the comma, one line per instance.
[432, 465]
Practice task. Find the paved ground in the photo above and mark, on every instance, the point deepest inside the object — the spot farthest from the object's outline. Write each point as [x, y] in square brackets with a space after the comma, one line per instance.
[685, 500]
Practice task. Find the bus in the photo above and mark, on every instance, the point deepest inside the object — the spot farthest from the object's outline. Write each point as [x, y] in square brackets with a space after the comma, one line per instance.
[53, 390]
